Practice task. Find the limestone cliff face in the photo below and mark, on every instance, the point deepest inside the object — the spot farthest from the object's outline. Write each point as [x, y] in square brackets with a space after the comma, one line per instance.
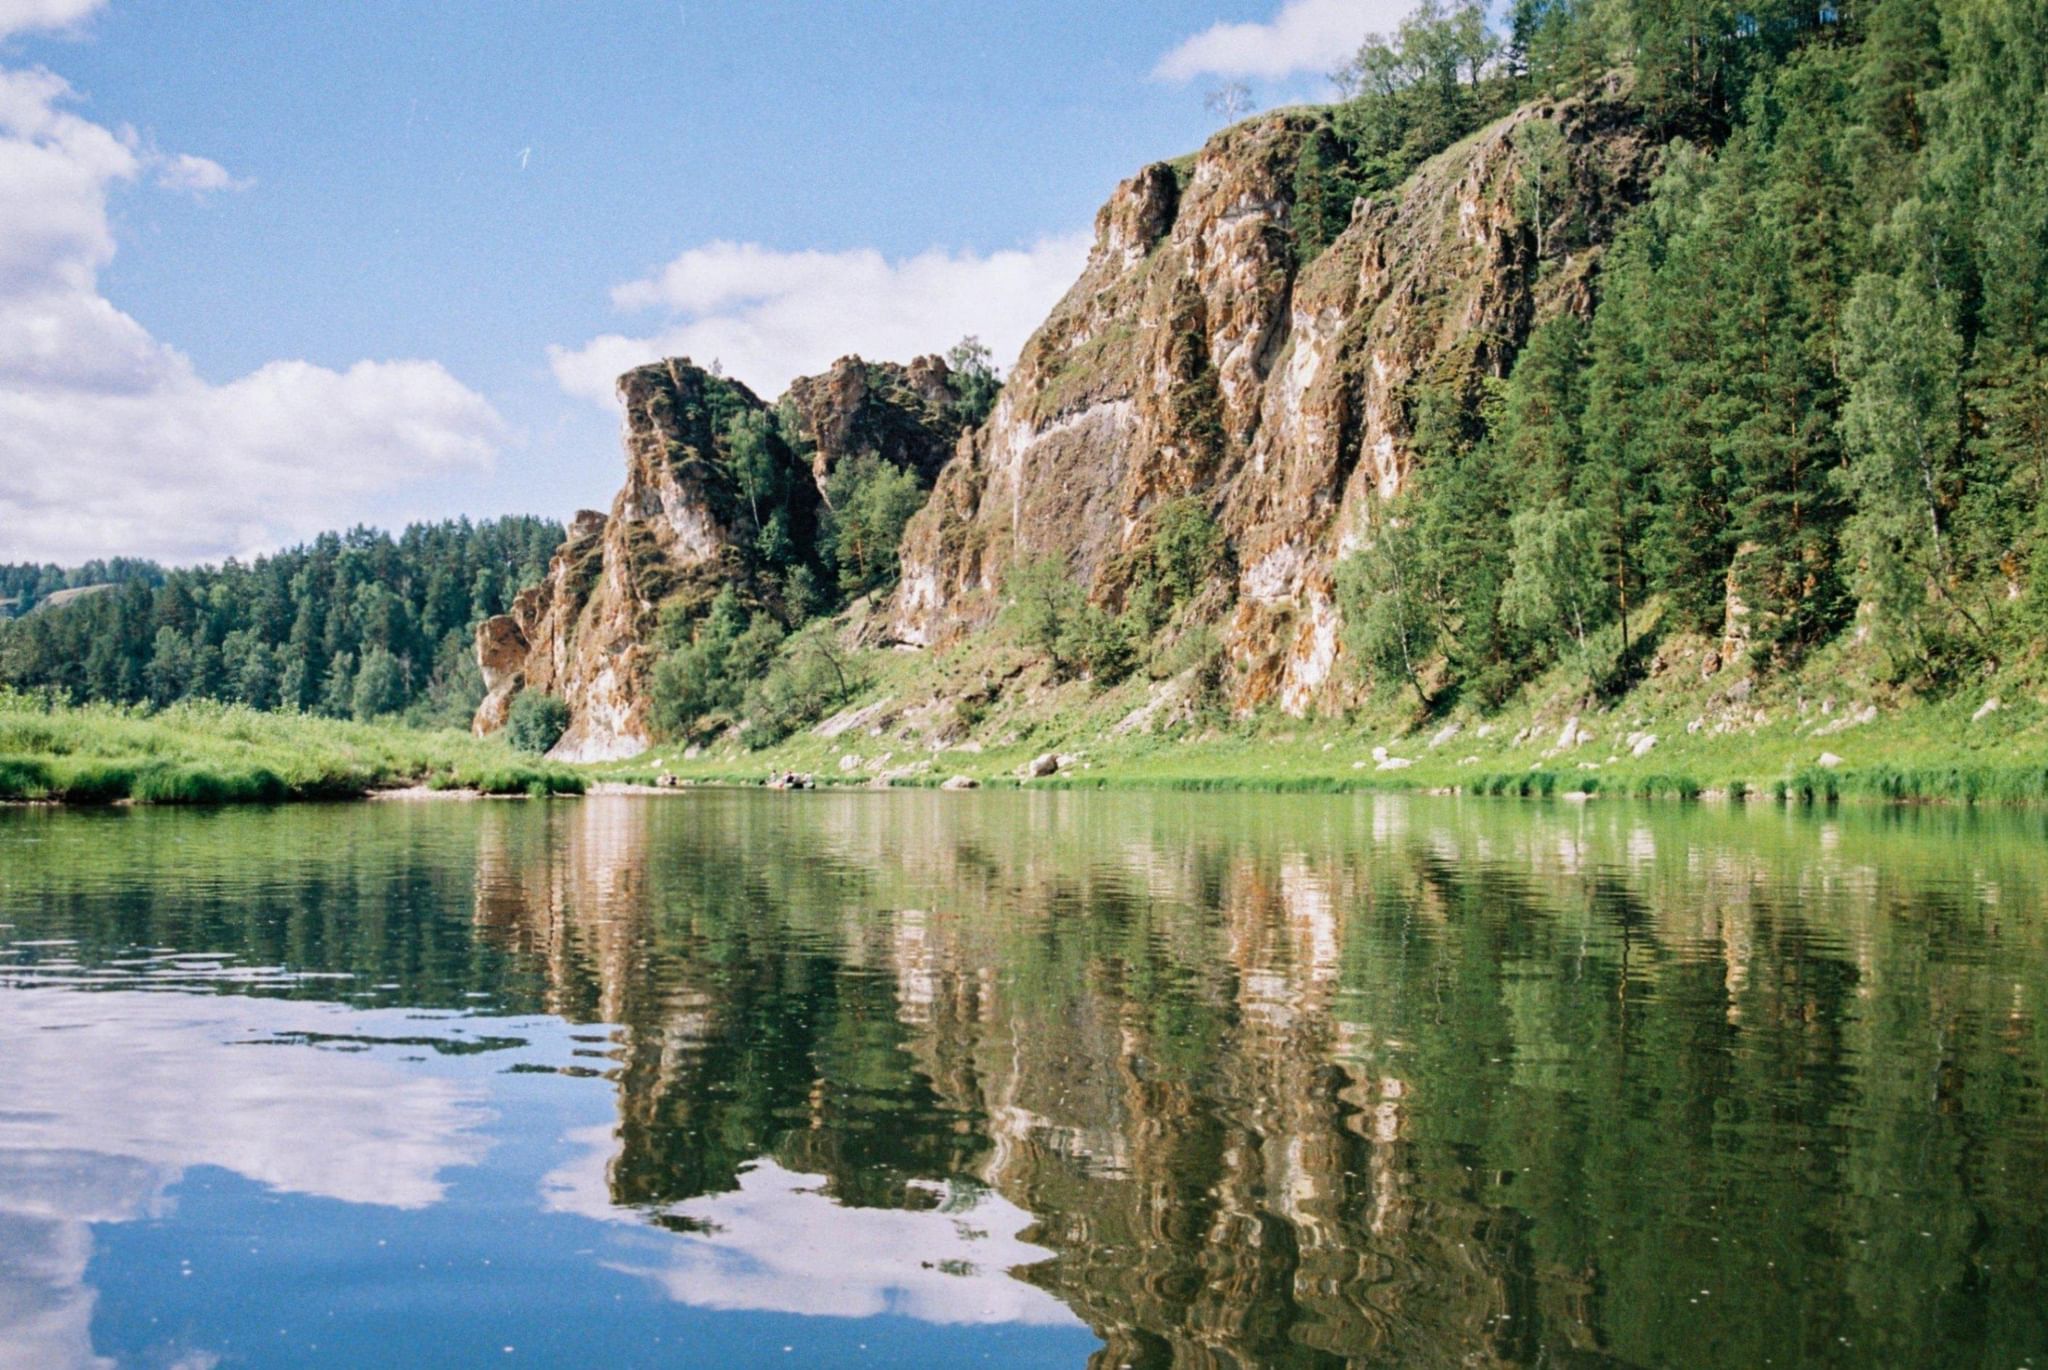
[1202, 353]
[1197, 356]
[679, 528]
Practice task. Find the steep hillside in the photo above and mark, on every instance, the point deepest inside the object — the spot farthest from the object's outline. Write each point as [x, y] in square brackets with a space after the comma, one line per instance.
[1200, 356]
[586, 633]
[1206, 354]
[1706, 402]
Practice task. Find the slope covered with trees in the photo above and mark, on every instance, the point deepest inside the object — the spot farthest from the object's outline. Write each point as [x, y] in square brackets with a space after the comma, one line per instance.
[1678, 359]
[1810, 397]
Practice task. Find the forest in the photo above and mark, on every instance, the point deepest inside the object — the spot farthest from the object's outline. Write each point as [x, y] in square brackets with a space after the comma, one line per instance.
[1811, 397]
[359, 625]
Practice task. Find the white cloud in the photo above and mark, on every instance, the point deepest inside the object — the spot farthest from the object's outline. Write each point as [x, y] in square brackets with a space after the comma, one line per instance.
[110, 441]
[197, 175]
[21, 16]
[770, 316]
[1305, 36]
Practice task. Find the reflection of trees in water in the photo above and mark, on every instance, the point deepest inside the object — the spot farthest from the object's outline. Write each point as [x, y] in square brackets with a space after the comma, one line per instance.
[1284, 1080]
[380, 894]
[1293, 1083]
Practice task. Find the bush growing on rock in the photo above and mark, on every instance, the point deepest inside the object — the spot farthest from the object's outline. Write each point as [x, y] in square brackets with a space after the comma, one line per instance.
[975, 378]
[1187, 548]
[1389, 624]
[536, 722]
[1044, 603]
[708, 675]
[1052, 613]
[871, 501]
[1102, 644]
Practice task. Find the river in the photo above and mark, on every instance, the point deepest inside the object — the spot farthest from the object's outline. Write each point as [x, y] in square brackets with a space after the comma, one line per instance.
[1016, 1079]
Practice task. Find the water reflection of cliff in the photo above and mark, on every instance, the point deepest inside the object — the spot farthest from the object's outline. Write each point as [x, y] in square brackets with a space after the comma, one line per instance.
[1324, 1082]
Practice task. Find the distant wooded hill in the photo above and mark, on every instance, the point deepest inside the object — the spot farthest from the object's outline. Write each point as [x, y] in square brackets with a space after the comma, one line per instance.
[357, 624]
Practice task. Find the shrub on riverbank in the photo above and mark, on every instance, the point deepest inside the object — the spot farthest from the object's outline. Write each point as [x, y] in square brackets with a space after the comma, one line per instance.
[206, 753]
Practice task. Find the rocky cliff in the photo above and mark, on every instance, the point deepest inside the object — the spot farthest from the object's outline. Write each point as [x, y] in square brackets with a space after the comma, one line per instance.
[1207, 352]
[706, 475]
[907, 415]
[1199, 355]
[677, 531]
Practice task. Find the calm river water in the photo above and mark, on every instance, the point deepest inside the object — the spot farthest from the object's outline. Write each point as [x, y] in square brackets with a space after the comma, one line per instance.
[811, 1080]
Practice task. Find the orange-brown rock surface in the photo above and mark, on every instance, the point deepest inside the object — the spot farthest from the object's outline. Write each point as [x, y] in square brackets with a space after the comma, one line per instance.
[1196, 356]
[679, 528]
[1201, 354]
[689, 521]
[905, 415]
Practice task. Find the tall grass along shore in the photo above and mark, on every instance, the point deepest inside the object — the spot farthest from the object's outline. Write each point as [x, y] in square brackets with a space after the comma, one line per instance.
[200, 752]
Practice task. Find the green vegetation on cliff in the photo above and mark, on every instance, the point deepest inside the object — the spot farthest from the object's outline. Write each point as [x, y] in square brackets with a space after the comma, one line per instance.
[1811, 397]
[804, 542]
[1790, 404]
[982, 708]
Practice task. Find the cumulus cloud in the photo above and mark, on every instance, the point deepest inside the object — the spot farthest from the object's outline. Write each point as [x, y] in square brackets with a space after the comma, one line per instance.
[22, 16]
[1305, 36]
[769, 316]
[110, 440]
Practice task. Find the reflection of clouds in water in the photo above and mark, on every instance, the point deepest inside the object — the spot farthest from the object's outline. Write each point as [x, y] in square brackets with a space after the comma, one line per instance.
[45, 1305]
[780, 1244]
[159, 1077]
[105, 1099]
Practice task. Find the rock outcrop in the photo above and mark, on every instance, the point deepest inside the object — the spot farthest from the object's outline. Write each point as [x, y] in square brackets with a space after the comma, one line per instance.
[1197, 356]
[689, 521]
[678, 531]
[1204, 353]
[909, 416]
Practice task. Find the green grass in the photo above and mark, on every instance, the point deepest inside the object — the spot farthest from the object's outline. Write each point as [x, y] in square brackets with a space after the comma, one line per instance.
[1768, 746]
[201, 753]
[1834, 732]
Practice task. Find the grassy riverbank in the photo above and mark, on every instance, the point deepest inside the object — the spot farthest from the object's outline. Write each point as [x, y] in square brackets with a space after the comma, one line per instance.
[203, 753]
[1836, 730]
[1833, 733]
[1893, 764]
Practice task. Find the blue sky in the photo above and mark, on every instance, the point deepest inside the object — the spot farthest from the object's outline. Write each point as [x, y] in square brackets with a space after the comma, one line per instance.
[462, 216]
